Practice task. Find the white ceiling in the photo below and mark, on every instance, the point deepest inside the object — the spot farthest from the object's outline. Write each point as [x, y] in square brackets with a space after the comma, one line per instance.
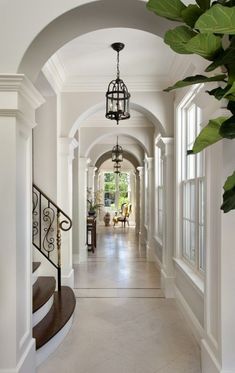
[90, 55]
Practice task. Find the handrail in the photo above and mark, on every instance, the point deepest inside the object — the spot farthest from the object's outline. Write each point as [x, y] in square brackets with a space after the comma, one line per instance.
[47, 227]
[54, 204]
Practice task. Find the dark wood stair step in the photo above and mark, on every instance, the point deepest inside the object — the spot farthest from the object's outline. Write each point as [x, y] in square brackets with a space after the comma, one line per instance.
[35, 266]
[59, 314]
[43, 289]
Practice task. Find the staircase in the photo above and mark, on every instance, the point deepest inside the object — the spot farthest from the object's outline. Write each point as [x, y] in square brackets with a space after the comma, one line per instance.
[53, 304]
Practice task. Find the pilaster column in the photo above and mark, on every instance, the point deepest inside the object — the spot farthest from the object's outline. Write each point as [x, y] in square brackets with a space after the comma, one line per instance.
[141, 204]
[18, 102]
[132, 193]
[82, 207]
[167, 274]
[150, 207]
[66, 147]
[91, 179]
[219, 338]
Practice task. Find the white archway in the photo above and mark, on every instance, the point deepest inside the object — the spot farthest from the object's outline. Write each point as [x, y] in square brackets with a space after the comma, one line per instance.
[123, 132]
[81, 20]
[149, 114]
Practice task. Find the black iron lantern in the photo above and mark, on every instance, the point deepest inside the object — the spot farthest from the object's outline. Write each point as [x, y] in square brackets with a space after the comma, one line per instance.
[117, 96]
[117, 153]
[117, 168]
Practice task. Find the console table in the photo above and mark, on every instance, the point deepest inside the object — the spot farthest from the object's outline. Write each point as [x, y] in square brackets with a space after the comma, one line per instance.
[91, 233]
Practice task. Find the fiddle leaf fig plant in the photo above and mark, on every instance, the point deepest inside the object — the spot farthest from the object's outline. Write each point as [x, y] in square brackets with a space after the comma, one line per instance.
[207, 28]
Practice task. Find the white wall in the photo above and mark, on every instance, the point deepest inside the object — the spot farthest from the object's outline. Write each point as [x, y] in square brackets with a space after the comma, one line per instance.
[45, 147]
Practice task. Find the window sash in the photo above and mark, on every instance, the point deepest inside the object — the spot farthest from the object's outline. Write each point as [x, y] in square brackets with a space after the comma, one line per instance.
[193, 192]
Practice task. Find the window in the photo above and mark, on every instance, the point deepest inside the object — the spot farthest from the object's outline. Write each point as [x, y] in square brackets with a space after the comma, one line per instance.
[193, 191]
[116, 189]
[109, 189]
[159, 194]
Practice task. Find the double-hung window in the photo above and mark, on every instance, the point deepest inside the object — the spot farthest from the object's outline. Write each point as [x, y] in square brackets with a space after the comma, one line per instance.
[159, 194]
[193, 191]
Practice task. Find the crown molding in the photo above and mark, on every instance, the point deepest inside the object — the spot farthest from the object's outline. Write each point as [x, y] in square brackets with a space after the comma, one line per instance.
[100, 83]
[20, 84]
[54, 72]
[60, 81]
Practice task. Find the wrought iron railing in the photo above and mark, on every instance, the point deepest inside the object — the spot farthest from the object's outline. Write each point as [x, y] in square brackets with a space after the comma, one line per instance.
[48, 222]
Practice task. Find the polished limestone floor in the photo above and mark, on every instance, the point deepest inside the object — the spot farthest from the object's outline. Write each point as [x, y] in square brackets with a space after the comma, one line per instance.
[122, 323]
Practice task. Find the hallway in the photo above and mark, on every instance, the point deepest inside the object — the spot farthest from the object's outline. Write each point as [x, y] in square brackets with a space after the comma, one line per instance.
[122, 323]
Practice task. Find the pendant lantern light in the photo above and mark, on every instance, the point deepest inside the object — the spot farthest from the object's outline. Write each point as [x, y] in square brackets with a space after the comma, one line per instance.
[117, 153]
[117, 95]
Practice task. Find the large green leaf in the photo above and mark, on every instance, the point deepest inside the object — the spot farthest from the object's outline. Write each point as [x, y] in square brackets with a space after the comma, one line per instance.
[209, 135]
[228, 200]
[204, 4]
[224, 58]
[218, 19]
[230, 182]
[206, 45]
[191, 14]
[170, 9]
[197, 79]
[227, 129]
[219, 92]
[230, 3]
[231, 107]
[178, 38]
[230, 94]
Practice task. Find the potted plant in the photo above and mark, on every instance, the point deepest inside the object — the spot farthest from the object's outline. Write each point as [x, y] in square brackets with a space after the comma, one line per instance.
[93, 203]
[207, 28]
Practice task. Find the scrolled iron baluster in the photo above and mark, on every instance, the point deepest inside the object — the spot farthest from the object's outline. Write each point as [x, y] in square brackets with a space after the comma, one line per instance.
[58, 241]
[63, 228]
[35, 214]
[48, 217]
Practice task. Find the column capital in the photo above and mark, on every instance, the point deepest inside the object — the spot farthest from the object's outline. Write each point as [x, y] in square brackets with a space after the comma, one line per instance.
[19, 98]
[149, 161]
[140, 169]
[166, 144]
[66, 146]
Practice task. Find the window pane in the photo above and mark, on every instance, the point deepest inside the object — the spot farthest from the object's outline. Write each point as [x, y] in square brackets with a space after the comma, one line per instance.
[192, 201]
[192, 242]
[202, 251]
[186, 239]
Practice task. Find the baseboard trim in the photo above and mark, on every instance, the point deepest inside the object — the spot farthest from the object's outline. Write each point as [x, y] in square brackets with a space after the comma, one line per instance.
[68, 280]
[157, 262]
[209, 361]
[191, 319]
[168, 285]
[27, 363]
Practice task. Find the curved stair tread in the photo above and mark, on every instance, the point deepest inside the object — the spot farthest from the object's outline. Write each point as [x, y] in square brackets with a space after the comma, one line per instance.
[59, 314]
[35, 266]
[43, 289]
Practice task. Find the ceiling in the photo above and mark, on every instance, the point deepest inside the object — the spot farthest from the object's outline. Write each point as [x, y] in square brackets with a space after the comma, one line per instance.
[91, 54]
[90, 58]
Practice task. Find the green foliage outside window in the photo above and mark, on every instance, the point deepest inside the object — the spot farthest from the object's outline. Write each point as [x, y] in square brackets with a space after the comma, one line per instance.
[110, 189]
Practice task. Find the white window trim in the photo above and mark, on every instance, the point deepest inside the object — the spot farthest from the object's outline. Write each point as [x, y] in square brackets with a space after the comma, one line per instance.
[198, 276]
